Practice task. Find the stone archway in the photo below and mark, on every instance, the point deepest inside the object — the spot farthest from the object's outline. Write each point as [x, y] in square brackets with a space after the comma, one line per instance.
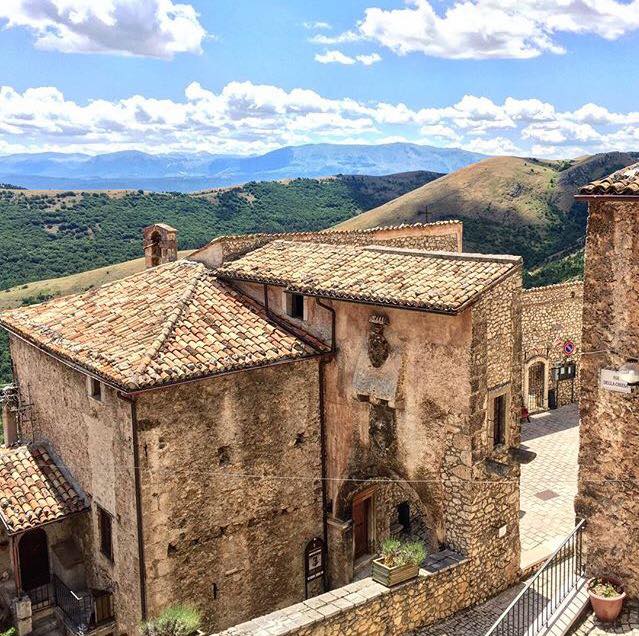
[33, 555]
[156, 249]
[536, 385]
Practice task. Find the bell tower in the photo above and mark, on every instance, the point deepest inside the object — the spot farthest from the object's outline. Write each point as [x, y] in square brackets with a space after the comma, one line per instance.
[160, 244]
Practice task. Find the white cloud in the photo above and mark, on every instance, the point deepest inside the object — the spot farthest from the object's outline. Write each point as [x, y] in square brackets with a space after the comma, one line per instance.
[149, 28]
[245, 118]
[337, 57]
[485, 29]
[342, 38]
[316, 26]
[334, 57]
[369, 60]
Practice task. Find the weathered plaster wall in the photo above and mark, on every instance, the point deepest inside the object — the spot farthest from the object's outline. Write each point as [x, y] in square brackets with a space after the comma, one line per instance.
[216, 534]
[608, 495]
[551, 316]
[94, 441]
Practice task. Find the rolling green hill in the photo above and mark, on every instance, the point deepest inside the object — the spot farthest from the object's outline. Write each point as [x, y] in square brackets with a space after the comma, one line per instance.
[510, 205]
[46, 234]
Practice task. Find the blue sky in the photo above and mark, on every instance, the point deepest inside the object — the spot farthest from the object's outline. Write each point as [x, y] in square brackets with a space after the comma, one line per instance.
[553, 78]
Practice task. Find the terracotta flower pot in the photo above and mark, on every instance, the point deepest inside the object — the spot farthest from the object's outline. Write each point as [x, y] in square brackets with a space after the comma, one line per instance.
[607, 608]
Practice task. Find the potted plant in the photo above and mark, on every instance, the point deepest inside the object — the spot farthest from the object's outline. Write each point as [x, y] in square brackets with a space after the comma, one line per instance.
[399, 562]
[606, 596]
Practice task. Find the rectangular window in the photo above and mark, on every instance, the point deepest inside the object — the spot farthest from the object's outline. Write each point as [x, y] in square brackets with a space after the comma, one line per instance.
[499, 420]
[95, 389]
[105, 523]
[295, 306]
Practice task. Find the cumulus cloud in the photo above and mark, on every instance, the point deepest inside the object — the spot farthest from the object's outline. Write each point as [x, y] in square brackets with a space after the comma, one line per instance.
[485, 29]
[149, 28]
[369, 60]
[246, 118]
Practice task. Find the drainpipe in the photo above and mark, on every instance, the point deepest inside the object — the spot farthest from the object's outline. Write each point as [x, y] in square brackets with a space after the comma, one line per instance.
[322, 384]
[138, 501]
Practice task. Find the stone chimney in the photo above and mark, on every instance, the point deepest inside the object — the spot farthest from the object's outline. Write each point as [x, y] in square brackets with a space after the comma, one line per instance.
[160, 244]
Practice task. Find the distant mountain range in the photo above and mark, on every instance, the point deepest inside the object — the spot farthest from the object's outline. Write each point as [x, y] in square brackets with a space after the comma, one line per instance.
[186, 172]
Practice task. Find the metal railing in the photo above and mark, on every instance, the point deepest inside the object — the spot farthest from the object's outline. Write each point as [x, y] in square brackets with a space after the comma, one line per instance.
[40, 596]
[534, 606]
[84, 610]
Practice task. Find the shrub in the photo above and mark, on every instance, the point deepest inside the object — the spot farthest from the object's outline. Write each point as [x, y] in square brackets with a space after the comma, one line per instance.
[177, 620]
[396, 553]
[605, 588]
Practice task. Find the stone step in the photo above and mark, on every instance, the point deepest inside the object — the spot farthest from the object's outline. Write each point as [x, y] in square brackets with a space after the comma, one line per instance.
[45, 625]
[568, 612]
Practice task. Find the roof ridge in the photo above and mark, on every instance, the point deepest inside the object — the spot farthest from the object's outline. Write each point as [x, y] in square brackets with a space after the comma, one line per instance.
[457, 256]
[167, 327]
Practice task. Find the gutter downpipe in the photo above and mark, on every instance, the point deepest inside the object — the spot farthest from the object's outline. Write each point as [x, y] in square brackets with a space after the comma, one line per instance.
[322, 384]
[138, 501]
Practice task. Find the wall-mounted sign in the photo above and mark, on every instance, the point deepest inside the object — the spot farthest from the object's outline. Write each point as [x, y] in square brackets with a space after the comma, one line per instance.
[565, 371]
[569, 347]
[610, 380]
[314, 560]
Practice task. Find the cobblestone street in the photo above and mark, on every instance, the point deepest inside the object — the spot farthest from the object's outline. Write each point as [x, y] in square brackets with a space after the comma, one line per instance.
[549, 482]
[627, 624]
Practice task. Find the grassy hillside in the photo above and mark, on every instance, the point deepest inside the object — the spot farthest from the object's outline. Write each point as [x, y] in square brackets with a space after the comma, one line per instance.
[45, 234]
[509, 204]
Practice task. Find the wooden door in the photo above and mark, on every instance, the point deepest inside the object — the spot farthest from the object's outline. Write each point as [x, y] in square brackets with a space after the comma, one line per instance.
[361, 513]
[34, 559]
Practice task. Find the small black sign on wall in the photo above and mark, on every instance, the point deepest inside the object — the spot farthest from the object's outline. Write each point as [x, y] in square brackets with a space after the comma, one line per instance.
[314, 559]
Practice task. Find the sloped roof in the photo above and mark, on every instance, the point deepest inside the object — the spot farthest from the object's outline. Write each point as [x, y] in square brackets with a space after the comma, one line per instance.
[437, 281]
[624, 182]
[34, 490]
[167, 324]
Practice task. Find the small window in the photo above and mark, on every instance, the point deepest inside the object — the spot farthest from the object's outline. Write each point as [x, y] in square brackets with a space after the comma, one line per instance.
[105, 523]
[295, 306]
[499, 420]
[95, 389]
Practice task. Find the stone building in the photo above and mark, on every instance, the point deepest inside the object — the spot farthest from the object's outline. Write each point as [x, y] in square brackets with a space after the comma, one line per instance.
[551, 349]
[421, 397]
[608, 496]
[207, 419]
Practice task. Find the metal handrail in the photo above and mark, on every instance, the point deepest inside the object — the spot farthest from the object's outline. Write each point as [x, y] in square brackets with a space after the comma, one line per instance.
[570, 547]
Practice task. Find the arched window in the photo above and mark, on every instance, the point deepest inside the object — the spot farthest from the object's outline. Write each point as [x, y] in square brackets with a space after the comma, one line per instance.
[156, 249]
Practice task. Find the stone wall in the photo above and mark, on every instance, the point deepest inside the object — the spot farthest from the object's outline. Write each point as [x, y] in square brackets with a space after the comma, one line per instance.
[438, 236]
[94, 441]
[550, 317]
[608, 495]
[217, 534]
[443, 587]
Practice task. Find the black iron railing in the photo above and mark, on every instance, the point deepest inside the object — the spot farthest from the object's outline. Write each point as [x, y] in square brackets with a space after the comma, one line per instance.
[534, 606]
[40, 596]
[84, 610]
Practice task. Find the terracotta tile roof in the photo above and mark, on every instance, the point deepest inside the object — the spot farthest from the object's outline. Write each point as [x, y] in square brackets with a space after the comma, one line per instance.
[171, 323]
[439, 281]
[34, 490]
[623, 182]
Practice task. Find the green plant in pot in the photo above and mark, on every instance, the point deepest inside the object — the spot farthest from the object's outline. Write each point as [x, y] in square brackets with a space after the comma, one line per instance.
[606, 597]
[398, 562]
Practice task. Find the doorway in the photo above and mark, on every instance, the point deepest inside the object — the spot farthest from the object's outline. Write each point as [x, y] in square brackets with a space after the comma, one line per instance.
[537, 386]
[33, 554]
[362, 507]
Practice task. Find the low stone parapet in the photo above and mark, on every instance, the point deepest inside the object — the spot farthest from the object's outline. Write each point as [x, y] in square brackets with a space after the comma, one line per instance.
[366, 607]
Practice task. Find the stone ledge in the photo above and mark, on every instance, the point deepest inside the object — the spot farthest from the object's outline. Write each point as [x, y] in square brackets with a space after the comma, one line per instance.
[341, 600]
